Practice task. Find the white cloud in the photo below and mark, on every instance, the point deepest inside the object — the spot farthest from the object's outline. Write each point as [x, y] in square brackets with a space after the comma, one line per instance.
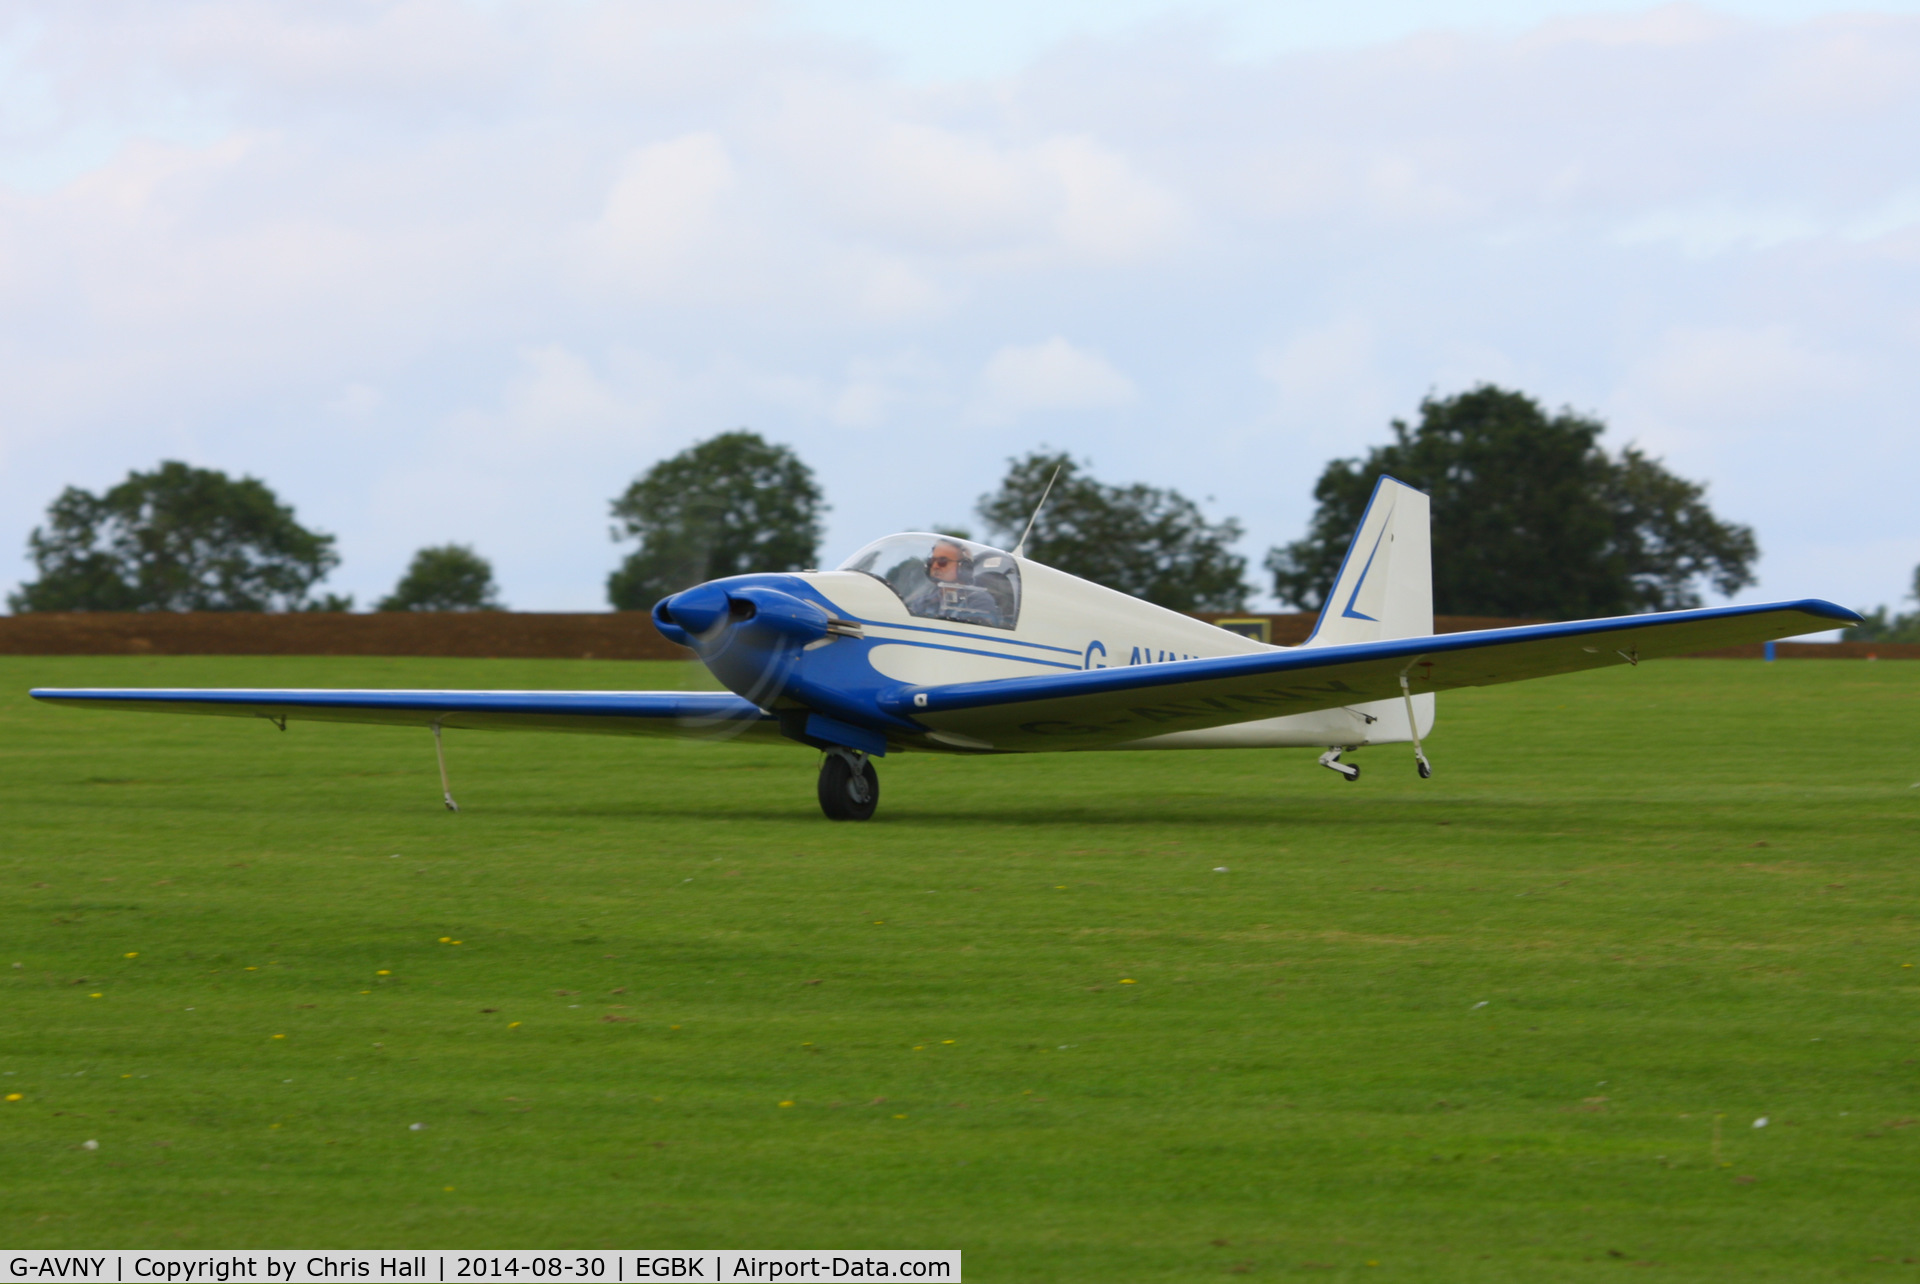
[1722, 229]
[937, 188]
[662, 215]
[1050, 375]
[1665, 26]
[1326, 360]
[930, 187]
[1107, 209]
[895, 291]
[1731, 374]
[876, 390]
[358, 401]
[1326, 393]
[559, 392]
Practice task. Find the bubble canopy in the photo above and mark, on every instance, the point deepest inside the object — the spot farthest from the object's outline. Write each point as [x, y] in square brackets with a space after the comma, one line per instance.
[943, 577]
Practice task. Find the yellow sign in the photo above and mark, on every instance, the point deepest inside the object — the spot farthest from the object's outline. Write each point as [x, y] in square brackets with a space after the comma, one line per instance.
[1257, 627]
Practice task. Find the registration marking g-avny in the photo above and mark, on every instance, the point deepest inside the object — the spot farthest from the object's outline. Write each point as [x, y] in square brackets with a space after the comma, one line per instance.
[58, 1267]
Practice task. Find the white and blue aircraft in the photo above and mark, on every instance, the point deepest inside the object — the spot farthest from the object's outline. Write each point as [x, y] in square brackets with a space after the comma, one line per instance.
[928, 643]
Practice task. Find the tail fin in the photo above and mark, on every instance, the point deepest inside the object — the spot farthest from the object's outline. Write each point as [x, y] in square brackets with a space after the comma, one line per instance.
[1385, 585]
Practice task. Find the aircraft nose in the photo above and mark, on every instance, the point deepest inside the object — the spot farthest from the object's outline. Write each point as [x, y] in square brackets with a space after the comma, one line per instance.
[700, 615]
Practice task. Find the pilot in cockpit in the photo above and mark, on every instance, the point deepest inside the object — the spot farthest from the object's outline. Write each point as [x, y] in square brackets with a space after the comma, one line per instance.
[952, 594]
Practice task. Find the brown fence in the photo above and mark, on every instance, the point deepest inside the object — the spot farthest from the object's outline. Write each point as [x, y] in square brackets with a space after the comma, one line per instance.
[600, 635]
[1819, 651]
[1292, 629]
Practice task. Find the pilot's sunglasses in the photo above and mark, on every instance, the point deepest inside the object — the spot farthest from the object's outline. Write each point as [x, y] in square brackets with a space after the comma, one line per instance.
[943, 561]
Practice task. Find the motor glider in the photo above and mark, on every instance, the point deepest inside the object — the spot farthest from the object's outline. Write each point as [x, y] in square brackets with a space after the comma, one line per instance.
[925, 643]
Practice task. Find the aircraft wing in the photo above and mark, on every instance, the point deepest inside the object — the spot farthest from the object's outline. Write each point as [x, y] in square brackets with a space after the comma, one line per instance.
[1100, 708]
[695, 714]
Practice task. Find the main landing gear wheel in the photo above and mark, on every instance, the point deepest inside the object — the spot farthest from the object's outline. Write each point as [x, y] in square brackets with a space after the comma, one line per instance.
[849, 786]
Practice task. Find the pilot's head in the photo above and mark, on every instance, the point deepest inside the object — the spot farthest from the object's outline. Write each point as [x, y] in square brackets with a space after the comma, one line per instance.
[944, 563]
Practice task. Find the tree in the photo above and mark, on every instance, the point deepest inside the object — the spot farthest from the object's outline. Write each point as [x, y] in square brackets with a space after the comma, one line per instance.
[175, 539]
[1669, 540]
[449, 577]
[1139, 539]
[1531, 517]
[725, 506]
[1881, 626]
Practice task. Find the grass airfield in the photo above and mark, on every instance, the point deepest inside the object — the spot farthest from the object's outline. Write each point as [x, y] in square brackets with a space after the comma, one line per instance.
[1103, 1017]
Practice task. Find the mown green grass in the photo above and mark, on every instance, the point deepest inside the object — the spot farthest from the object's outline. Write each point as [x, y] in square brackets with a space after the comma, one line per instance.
[1021, 1012]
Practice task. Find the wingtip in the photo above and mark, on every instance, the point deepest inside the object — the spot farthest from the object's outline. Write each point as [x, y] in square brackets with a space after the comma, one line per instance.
[1831, 611]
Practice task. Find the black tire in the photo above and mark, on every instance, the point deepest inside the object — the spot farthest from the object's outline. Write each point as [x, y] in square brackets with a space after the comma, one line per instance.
[845, 796]
[1426, 772]
[1355, 776]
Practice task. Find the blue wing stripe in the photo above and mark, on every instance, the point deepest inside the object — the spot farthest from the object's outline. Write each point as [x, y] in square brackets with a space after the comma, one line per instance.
[605, 704]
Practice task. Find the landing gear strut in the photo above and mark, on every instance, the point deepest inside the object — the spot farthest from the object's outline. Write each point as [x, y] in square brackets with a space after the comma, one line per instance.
[849, 786]
[1420, 762]
[446, 790]
[1331, 761]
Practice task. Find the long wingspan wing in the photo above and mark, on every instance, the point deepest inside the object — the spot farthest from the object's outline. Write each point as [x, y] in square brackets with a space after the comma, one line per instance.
[1098, 708]
[696, 714]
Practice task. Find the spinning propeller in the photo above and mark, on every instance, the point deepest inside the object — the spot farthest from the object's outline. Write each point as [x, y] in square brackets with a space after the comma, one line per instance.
[749, 636]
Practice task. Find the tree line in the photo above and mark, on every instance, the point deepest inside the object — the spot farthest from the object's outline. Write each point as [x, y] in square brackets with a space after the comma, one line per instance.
[181, 538]
[1882, 625]
[1532, 517]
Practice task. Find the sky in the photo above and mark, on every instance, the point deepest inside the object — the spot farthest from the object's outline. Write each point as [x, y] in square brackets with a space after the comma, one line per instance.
[453, 270]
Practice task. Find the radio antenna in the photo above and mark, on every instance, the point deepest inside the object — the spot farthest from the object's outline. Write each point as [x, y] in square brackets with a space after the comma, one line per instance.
[1036, 509]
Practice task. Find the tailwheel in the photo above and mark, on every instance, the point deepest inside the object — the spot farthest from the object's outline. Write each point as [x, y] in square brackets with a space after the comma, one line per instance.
[849, 786]
[1331, 761]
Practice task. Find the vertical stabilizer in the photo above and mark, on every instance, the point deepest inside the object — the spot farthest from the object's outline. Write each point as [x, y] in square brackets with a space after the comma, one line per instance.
[1385, 585]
